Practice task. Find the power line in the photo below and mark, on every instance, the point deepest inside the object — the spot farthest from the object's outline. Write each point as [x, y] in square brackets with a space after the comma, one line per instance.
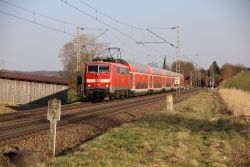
[117, 21]
[48, 17]
[39, 14]
[97, 19]
[125, 43]
[69, 23]
[37, 23]
[161, 38]
[110, 17]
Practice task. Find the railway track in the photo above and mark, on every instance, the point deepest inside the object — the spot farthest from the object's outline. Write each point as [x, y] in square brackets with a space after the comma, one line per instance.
[19, 129]
[38, 111]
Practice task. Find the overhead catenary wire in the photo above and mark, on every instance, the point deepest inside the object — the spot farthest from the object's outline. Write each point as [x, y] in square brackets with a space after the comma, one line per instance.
[102, 22]
[97, 19]
[125, 43]
[116, 20]
[49, 17]
[52, 28]
[39, 14]
[37, 23]
[110, 17]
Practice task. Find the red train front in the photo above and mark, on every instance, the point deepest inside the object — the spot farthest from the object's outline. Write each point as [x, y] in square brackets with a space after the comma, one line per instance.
[106, 79]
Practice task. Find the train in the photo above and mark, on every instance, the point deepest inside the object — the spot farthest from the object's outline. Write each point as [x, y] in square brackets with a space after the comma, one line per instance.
[110, 78]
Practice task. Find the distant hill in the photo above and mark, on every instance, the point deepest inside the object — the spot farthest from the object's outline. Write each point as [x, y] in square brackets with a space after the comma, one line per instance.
[240, 81]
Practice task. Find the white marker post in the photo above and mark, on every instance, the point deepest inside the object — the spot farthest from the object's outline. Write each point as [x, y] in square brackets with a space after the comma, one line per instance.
[170, 106]
[53, 115]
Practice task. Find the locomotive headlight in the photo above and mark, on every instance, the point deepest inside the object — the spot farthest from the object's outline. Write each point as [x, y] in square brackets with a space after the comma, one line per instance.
[107, 85]
[88, 85]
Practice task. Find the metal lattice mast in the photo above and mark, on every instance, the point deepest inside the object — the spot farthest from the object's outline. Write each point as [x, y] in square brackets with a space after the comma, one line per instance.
[78, 51]
[199, 77]
[78, 74]
[178, 63]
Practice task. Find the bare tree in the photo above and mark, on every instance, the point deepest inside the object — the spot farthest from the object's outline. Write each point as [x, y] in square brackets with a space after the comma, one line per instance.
[88, 49]
[230, 70]
[186, 68]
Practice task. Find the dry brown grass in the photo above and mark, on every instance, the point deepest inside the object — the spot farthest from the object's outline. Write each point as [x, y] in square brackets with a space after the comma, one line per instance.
[4, 109]
[237, 101]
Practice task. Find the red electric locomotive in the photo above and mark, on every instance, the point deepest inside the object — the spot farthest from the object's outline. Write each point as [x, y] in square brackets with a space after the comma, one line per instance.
[117, 78]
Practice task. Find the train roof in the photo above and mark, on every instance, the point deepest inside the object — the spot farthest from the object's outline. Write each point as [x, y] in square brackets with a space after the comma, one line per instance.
[140, 68]
[137, 67]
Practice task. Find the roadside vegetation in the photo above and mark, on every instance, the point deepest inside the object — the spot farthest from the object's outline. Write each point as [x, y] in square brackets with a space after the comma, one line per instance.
[238, 101]
[241, 81]
[236, 95]
[198, 133]
[72, 97]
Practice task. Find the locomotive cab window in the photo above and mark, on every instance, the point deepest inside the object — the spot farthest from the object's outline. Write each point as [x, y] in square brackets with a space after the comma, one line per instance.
[92, 68]
[104, 68]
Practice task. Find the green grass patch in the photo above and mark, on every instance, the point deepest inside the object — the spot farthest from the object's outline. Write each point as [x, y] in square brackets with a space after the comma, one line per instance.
[195, 134]
[241, 81]
[72, 97]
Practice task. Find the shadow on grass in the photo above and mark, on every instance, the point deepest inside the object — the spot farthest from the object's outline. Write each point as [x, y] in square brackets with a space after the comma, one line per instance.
[194, 125]
[100, 128]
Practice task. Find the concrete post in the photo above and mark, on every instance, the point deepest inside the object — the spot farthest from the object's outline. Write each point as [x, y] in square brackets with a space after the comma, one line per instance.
[170, 106]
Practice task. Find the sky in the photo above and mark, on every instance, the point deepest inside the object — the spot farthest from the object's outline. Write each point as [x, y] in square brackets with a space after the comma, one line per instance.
[210, 30]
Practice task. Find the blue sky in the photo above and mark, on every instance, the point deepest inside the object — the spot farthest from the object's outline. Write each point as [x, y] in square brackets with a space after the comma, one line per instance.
[213, 29]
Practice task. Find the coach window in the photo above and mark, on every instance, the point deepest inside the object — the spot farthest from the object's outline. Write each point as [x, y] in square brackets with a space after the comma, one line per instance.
[92, 68]
[104, 68]
[124, 70]
[118, 71]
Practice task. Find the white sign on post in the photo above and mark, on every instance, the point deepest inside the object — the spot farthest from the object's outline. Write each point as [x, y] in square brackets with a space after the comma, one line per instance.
[170, 106]
[53, 115]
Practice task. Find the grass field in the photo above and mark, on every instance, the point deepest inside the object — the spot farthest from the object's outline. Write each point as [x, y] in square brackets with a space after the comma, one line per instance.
[241, 81]
[197, 133]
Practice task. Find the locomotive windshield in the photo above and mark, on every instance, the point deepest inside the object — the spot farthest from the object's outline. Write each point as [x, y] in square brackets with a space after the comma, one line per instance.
[104, 68]
[92, 68]
[98, 68]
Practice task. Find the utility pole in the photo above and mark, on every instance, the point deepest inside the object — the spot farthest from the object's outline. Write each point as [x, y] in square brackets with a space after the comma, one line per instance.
[205, 76]
[199, 77]
[178, 63]
[191, 79]
[78, 74]
[78, 51]
[213, 78]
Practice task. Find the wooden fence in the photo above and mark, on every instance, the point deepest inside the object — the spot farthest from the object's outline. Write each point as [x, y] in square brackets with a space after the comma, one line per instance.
[24, 92]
